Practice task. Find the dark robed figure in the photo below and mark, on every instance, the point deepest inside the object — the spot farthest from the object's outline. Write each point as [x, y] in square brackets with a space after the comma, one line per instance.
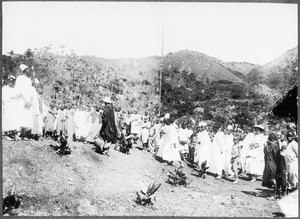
[108, 130]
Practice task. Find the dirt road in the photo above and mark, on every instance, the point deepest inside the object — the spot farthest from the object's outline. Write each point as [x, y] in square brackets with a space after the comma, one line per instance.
[87, 183]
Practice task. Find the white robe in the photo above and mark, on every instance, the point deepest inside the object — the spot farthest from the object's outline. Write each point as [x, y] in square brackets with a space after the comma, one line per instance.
[203, 148]
[170, 151]
[291, 157]
[217, 157]
[23, 87]
[136, 124]
[228, 143]
[184, 138]
[255, 161]
[244, 151]
[9, 109]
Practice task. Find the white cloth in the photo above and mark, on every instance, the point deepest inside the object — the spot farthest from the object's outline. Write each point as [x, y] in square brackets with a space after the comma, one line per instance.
[228, 143]
[184, 138]
[145, 131]
[9, 109]
[217, 156]
[203, 148]
[244, 151]
[170, 151]
[23, 88]
[136, 124]
[291, 157]
[255, 156]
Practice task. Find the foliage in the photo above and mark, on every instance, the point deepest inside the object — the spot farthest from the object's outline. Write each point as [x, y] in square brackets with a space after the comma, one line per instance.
[177, 178]
[144, 198]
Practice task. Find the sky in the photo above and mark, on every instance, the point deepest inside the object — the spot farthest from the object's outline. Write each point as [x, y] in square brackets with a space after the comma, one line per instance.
[250, 32]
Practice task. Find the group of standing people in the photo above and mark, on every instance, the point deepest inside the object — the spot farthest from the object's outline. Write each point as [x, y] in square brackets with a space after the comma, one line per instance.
[255, 153]
[22, 107]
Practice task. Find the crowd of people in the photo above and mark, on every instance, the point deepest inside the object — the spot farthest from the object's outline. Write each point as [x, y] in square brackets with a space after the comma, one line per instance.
[232, 152]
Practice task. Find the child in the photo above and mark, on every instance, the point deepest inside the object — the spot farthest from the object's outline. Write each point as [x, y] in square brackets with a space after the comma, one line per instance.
[125, 142]
[235, 158]
[192, 147]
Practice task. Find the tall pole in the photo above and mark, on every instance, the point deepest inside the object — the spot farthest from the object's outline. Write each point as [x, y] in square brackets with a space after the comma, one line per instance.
[161, 72]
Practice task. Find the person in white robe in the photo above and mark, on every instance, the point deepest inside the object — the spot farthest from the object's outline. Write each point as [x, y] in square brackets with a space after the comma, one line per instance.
[170, 152]
[37, 128]
[9, 108]
[228, 143]
[218, 158]
[255, 155]
[244, 150]
[291, 156]
[184, 135]
[202, 155]
[24, 94]
[136, 125]
[145, 132]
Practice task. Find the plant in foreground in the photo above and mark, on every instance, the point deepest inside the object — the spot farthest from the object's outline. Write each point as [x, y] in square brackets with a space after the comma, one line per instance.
[177, 178]
[200, 171]
[145, 198]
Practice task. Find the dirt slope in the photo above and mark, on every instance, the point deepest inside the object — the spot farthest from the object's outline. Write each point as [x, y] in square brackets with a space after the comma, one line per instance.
[86, 183]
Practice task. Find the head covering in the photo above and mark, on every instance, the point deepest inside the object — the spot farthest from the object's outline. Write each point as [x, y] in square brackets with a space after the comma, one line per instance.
[291, 126]
[272, 137]
[23, 67]
[107, 100]
[36, 81]
[260, 127]
[11, 77]
[202, 124]
[229, 127]
[167, 116]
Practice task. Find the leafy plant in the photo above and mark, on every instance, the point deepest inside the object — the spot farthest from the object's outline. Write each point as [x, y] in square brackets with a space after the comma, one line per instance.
[145, 198]
[177, 178]
[199, 171]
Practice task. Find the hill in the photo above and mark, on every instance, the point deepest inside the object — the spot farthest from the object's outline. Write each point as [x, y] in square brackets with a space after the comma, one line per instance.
[204, 67]
[242, 67]
[278, 74]
[86, 183]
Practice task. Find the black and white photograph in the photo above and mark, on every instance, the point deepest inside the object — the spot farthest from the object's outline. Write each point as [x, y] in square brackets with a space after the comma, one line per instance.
[149, 109]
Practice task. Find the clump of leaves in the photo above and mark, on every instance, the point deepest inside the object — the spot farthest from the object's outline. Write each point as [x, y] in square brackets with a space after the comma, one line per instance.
[144, 198]
[11, 202]
[200, 171]
[177, 178]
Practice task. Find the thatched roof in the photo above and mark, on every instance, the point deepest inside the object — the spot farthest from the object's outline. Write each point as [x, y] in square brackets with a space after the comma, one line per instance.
[287, 106]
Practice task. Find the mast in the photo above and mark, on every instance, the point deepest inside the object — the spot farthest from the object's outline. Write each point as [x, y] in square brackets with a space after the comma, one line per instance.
[161, 72]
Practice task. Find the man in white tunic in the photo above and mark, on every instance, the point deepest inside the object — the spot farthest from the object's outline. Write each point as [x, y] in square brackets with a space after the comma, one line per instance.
[255, 155]
[202, 155]
[24, 94]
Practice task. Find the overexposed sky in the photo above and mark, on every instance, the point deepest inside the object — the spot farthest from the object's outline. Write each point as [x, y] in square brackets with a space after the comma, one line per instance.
[251, 32]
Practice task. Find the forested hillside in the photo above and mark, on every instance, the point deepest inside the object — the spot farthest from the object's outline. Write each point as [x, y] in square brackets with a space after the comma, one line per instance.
[193, 84]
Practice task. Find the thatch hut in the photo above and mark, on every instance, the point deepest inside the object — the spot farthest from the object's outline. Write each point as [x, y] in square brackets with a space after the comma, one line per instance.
[287, 105]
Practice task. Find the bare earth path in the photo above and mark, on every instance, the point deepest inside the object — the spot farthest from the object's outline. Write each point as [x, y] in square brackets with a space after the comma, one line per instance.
[87, 183]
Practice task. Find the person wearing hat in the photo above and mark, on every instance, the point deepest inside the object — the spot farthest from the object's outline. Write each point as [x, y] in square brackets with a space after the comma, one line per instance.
[255, 154]
[108, 130]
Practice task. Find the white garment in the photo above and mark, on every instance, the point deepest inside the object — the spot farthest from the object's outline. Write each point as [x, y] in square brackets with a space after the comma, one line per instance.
[217, 156]
[184, 138]
[203, 148]
[136, 124]
[23, 88]
[145, 131]
[255, 156]
[170, 151]
[291, 157]
[228, 143]
[244, 151]
[9, 109]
